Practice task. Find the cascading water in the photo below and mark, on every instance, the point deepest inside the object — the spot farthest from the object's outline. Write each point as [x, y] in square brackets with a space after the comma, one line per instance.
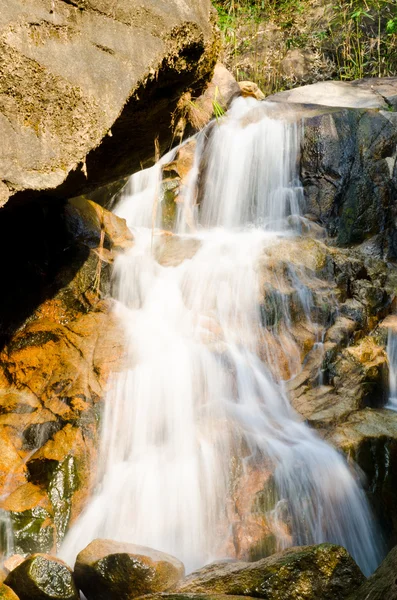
[392, 355]
[202, 388]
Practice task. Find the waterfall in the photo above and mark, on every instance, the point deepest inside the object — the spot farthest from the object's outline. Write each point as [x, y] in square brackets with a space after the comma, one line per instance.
[202, 390]
[392, 355]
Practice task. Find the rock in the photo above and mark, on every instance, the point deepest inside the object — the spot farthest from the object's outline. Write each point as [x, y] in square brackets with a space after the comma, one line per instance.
[87, 223]
[108, 570]
[347, 173]
[42, 577]
[6, 593]
[172, 250]
[297, 65]
[312, 572]
[12, 562]
[195, 113]
[369, 437]
[382, 584]
[103, 77]
[174, 186]
[187, 596]
[251, 89]
[53, 377]
[362, 93]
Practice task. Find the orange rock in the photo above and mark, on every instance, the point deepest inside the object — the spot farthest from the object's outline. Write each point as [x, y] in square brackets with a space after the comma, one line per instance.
[26, 497]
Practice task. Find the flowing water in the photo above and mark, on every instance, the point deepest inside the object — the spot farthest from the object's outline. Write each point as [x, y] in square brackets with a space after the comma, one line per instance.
[203, 389]
[392, 355]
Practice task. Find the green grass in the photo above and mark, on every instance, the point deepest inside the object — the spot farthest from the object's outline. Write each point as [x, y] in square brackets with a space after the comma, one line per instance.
[358, 38]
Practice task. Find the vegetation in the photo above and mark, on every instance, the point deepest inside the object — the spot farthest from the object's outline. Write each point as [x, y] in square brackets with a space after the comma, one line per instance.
[282, 43]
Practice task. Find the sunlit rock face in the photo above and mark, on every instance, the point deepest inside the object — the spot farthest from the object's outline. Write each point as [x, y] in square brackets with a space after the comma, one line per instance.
[103, 76]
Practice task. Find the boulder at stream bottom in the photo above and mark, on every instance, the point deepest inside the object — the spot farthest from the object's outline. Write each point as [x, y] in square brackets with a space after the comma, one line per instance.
[323, 572]
[107, 570]
[42, 577]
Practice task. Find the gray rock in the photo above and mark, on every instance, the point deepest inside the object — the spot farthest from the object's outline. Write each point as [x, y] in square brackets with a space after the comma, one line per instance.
[90, 84]
[362, 93]
[347, 162]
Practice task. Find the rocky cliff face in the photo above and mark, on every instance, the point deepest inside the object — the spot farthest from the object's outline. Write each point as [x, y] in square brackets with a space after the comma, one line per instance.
[88, 88]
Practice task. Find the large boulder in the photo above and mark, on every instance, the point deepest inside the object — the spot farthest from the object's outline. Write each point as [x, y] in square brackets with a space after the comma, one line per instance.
[42, 577]
[104, 76]
[107, 570]
[305, 573]
[361, 93]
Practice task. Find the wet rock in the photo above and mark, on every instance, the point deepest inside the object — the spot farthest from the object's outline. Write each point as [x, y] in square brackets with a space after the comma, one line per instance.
[31, 516]
[187, 596]
[369, 437]
[172, 250]
[347, 172]
[107, 570]
[382, 584]
[101, 74]
[42, 577]
[312, 572]
[95, 226]
[6, 593]
[54, 374]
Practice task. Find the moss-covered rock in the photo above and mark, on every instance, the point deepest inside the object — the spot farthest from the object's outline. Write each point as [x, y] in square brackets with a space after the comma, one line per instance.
[42, 577]
[324, 572]
[107, 570]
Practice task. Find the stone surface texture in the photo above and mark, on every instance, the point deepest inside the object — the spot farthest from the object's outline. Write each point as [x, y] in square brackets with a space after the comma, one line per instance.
[107, 570]
[308, 572]
[43, 577]
[81, 81]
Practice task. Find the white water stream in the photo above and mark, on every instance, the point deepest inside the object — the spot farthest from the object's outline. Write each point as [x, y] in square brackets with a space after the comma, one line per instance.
[196, 394]
[392, 355]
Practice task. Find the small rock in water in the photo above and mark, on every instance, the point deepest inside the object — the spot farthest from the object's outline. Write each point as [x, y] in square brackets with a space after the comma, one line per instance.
[107, 570]
[42, 577]
[323, 572]
[6, 593]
